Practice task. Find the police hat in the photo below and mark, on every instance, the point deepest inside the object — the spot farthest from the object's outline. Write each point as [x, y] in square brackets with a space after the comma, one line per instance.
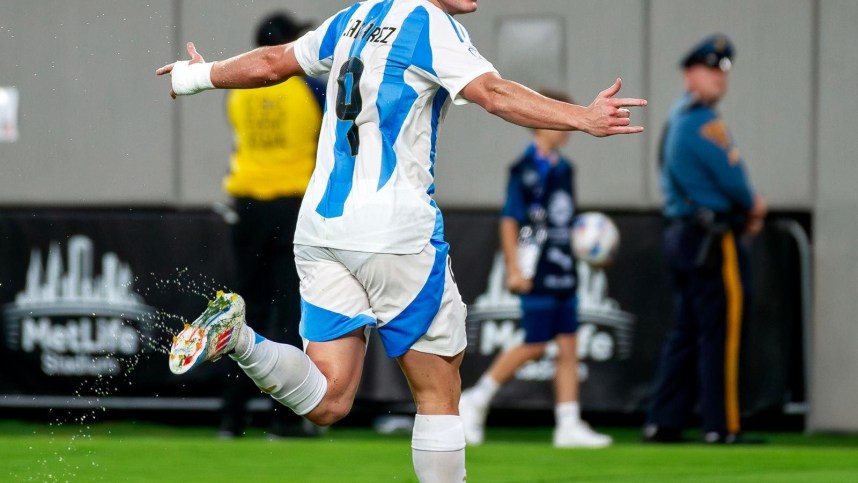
[714, 51]
[279, 28]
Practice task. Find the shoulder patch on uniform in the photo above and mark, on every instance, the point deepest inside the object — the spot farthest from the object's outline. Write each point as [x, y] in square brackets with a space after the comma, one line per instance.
[733, 157]
[716, 132]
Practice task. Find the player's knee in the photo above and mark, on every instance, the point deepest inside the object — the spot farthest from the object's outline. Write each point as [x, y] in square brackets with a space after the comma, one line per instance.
[329, 412]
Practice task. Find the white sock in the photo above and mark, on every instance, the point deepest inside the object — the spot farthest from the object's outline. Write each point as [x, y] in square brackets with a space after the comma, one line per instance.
[281, 370]
[567, 413]
[438, 449]
[484, 390]
[245, 342]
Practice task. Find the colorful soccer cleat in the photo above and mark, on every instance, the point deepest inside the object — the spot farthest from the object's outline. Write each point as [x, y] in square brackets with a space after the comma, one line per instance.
[212, 335]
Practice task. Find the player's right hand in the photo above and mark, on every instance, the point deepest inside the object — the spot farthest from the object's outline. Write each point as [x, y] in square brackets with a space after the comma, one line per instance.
[195, 58]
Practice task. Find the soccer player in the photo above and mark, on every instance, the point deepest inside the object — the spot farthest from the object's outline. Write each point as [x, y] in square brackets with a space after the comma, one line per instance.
[370, 250]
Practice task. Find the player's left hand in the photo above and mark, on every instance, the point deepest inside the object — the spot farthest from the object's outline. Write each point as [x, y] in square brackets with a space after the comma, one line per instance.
[195, 58]
[607, 115]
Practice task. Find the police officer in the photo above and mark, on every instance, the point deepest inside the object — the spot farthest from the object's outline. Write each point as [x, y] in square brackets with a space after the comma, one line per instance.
[710, 208]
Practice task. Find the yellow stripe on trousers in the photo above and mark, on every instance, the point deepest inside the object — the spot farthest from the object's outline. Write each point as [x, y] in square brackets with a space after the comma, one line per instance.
[733, 291]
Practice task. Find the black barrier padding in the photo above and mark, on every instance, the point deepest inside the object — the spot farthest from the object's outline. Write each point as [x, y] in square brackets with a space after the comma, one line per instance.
[177, 258]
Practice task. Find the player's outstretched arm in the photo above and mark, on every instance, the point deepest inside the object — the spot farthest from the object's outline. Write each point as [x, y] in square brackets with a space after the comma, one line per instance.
[261, 67]
[515, 103]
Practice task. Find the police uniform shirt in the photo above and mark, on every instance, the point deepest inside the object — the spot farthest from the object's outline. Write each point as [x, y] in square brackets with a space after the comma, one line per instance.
[540, 191]
[702, 166]
[275, 130]
[395, 66]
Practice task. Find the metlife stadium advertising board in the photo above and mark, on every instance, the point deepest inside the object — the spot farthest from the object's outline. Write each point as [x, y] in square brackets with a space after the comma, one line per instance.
[90, 299]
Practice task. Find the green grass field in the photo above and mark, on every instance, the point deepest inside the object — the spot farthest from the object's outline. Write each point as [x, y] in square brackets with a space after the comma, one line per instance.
[148, 452]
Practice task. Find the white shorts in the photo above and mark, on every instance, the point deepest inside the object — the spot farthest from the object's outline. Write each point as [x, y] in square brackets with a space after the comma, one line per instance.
[413, 300]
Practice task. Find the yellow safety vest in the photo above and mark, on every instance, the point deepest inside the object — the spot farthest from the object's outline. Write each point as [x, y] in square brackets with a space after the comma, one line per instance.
[276, 130]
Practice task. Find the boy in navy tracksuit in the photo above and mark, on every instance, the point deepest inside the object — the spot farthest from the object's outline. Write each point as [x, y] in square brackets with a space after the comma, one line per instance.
[539, 211]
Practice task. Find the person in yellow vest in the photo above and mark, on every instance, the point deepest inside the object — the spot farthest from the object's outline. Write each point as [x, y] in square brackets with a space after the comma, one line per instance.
[275, 132]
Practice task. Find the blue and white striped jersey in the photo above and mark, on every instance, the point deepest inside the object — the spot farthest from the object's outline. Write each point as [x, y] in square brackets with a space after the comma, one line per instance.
[395, 66]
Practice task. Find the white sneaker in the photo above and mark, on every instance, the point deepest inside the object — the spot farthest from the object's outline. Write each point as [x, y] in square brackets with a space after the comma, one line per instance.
[473, 418]
[579, 435]
[212, 335]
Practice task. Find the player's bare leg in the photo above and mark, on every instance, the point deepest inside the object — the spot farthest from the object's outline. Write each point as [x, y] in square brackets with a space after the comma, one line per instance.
[434, 381]
[319, 385]
[438, 441]
[341, 361]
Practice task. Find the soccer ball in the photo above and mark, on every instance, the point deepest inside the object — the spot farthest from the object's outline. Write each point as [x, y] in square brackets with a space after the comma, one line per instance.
[595, 238]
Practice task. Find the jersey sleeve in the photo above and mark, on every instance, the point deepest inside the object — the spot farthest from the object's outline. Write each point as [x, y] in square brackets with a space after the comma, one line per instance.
[315, 49]
[455, 60]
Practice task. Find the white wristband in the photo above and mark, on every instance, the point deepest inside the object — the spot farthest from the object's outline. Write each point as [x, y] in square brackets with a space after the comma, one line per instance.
[189, 79]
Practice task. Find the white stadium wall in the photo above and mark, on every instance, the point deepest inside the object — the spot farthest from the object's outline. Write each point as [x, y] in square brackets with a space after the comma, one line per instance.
[98, 130]
[834, 373]
[94, 126]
